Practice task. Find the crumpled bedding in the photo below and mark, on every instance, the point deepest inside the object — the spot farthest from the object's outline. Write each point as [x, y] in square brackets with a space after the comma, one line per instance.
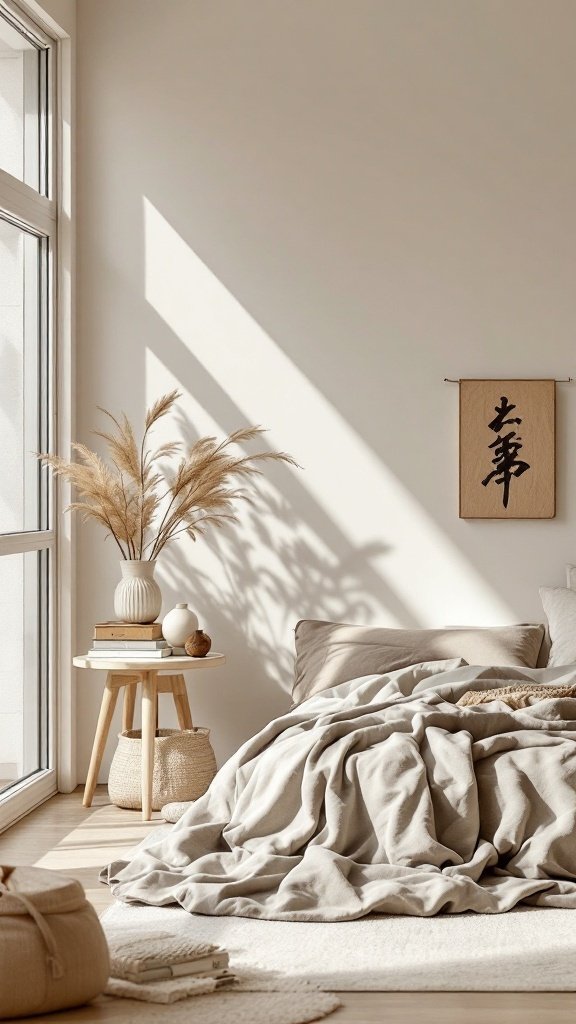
[382, 795]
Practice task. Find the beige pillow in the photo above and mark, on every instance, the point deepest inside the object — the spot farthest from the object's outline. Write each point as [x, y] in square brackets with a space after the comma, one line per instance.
[328, 653]
[559, 605]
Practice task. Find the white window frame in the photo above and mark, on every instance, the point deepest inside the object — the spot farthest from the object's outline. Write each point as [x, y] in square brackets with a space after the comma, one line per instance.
[51, 217]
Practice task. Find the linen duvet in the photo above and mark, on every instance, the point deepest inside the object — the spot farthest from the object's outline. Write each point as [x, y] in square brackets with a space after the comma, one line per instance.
[382, 795]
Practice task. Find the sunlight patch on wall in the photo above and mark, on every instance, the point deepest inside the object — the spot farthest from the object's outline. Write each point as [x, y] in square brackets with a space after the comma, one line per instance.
[350, 485]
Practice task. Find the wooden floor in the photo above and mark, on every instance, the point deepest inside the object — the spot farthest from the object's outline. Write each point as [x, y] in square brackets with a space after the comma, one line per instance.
[64, 836]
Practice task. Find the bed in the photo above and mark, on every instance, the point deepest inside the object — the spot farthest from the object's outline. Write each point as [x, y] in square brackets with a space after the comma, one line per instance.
[436, 787]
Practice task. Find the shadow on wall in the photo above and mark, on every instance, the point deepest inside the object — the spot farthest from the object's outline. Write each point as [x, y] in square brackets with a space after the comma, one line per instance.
[283, 561]
[257, 600]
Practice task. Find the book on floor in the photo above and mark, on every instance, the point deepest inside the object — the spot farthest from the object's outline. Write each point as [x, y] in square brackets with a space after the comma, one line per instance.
[206, 967]
[128, 631]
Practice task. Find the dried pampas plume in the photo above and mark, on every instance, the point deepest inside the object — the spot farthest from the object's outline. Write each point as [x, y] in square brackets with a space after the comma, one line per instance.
[141, 500]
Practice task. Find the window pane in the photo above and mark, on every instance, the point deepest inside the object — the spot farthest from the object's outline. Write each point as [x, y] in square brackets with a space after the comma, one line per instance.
[21, 121]
[23, 667]
[21, 425]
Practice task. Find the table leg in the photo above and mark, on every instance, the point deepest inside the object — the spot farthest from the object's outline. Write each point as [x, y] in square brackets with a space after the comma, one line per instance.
[148, 731]
[109, 699]
[180, 696]
[128, 709]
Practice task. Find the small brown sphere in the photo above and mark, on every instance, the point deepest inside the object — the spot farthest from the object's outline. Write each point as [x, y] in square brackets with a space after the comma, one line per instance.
[198, 645]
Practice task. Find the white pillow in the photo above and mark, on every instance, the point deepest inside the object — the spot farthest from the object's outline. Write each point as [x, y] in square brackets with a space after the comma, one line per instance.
[559, 605]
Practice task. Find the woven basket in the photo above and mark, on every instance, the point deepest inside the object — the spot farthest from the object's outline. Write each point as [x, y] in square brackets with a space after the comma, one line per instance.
[184, 766]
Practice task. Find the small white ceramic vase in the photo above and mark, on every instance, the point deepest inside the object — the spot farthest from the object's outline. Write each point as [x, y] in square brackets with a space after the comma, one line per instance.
[137, 597]
[179, 624]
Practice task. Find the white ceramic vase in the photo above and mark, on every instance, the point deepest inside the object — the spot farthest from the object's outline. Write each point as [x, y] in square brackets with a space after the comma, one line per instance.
[179, 624]
[137, 597]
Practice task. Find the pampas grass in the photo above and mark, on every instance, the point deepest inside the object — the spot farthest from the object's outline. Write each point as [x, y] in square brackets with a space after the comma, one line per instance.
[142, 499]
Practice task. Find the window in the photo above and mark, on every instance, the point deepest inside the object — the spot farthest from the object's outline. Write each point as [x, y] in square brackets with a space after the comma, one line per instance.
[27, 523]
[23, 78]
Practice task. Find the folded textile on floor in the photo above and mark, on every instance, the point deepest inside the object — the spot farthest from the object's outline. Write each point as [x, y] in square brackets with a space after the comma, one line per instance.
[382, 794]
[169, 991]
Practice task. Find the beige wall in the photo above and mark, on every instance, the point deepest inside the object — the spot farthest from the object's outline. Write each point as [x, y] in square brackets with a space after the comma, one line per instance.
[57, 15]
[307, 214]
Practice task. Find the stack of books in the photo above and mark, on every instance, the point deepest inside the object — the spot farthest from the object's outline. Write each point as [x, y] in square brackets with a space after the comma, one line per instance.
[123, 640]
[159, 967]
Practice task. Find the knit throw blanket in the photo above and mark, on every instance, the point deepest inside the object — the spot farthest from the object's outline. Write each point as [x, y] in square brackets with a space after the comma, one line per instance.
[517, 696]
[131, 953]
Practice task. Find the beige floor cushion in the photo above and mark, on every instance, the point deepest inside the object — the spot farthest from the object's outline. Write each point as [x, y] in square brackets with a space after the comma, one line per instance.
[53, 951]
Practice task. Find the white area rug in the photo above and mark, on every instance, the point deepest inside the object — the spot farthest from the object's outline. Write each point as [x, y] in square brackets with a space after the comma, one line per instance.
[527, 949]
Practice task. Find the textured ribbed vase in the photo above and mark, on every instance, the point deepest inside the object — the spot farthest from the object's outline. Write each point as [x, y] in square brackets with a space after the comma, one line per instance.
[137, 597]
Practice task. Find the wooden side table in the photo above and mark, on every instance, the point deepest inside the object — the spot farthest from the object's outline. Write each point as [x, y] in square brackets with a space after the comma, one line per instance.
[159, 675]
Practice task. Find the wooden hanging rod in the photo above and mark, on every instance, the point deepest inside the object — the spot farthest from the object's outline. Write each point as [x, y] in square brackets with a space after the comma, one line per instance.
[558, 380]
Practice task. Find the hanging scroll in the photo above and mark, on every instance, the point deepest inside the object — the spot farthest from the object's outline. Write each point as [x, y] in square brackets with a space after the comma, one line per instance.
[507, 449]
